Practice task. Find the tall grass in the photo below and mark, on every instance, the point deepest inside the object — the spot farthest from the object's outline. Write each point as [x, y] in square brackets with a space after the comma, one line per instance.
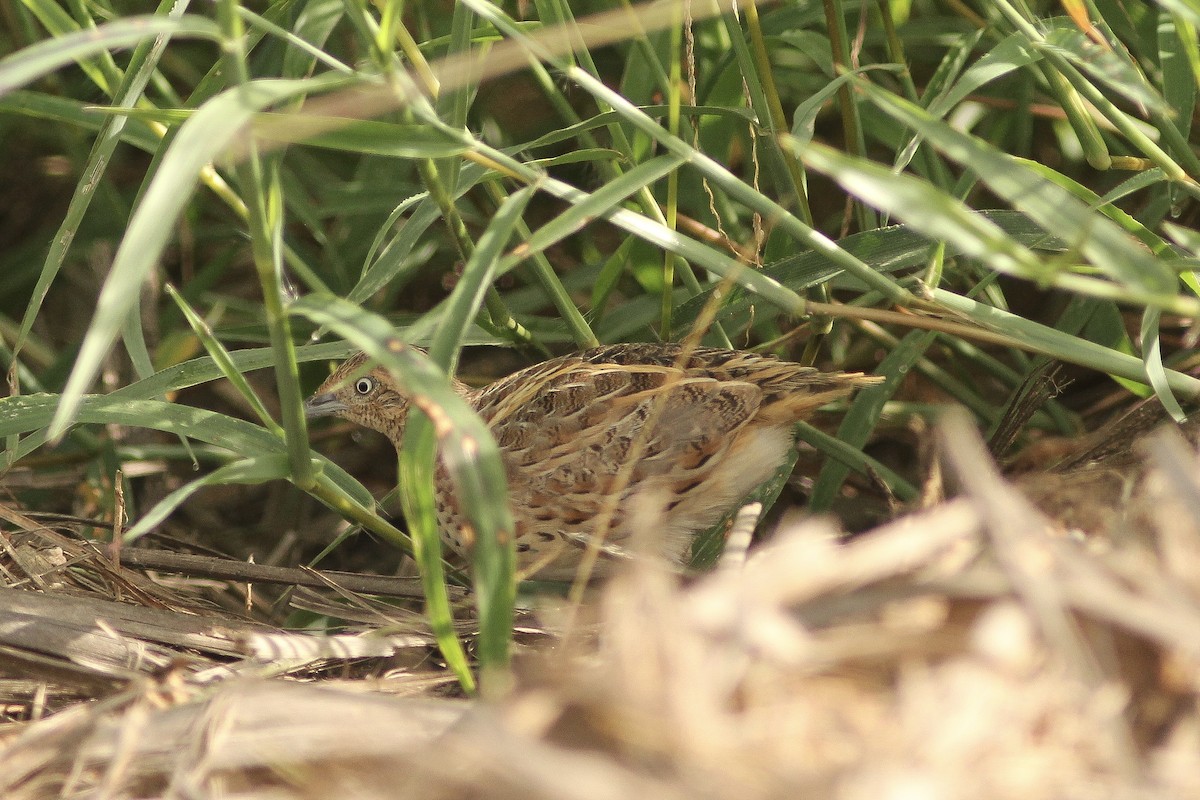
[800, 170]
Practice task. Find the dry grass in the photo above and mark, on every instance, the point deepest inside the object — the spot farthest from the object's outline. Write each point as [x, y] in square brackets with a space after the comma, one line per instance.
[967, 650]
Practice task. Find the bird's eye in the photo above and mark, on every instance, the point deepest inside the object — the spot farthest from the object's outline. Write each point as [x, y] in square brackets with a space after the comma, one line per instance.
[364, 385]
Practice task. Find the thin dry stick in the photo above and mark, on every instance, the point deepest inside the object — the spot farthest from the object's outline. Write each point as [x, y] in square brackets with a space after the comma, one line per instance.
[233, 570]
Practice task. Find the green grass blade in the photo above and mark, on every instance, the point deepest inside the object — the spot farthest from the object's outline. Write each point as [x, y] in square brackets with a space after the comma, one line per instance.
[860, 420]
[468, 452]
[372, 137]
[1102, 242]
[141, 67]
[886, 250]
[602, 202]
[1152, 360]
[76, 114]
[31, 413]
[1061, 346]
[43, 58]
[201, 139]
[1106, 66]
[253, 470]
[416, 476]
[469, 293]
[942, 217]
[221, 358]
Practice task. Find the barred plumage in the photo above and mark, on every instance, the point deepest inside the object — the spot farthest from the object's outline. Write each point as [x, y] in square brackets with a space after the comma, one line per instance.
[676, 436]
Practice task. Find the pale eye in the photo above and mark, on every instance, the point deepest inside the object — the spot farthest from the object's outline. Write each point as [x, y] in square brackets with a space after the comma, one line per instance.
[364, 386]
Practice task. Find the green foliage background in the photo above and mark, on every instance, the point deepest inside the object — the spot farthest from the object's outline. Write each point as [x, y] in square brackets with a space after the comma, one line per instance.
[201, 188]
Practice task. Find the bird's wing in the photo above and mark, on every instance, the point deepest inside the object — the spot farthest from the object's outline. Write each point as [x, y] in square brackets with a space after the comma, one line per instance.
[583, 433]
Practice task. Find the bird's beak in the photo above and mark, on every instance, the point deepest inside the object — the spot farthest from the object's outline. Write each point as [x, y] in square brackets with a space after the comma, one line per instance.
[323, 405]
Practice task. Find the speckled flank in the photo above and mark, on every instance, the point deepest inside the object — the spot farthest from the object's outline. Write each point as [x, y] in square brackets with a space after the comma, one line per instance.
[642, 425]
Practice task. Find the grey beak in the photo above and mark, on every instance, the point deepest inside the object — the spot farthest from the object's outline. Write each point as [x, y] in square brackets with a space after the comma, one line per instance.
[323, 405]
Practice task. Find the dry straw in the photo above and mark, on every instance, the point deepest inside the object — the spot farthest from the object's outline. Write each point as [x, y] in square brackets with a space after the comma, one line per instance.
[967, 650]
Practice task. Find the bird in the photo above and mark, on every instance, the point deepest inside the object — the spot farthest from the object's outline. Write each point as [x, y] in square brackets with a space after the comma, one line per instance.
[660, 437]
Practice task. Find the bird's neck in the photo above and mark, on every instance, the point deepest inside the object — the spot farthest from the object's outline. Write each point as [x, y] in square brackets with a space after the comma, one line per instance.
[394, 421]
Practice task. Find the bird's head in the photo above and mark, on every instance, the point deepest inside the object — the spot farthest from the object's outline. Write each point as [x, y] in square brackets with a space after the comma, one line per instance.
[362, 394]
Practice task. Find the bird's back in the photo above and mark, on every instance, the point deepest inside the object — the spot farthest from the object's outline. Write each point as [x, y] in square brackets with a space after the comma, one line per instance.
[652, 438]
